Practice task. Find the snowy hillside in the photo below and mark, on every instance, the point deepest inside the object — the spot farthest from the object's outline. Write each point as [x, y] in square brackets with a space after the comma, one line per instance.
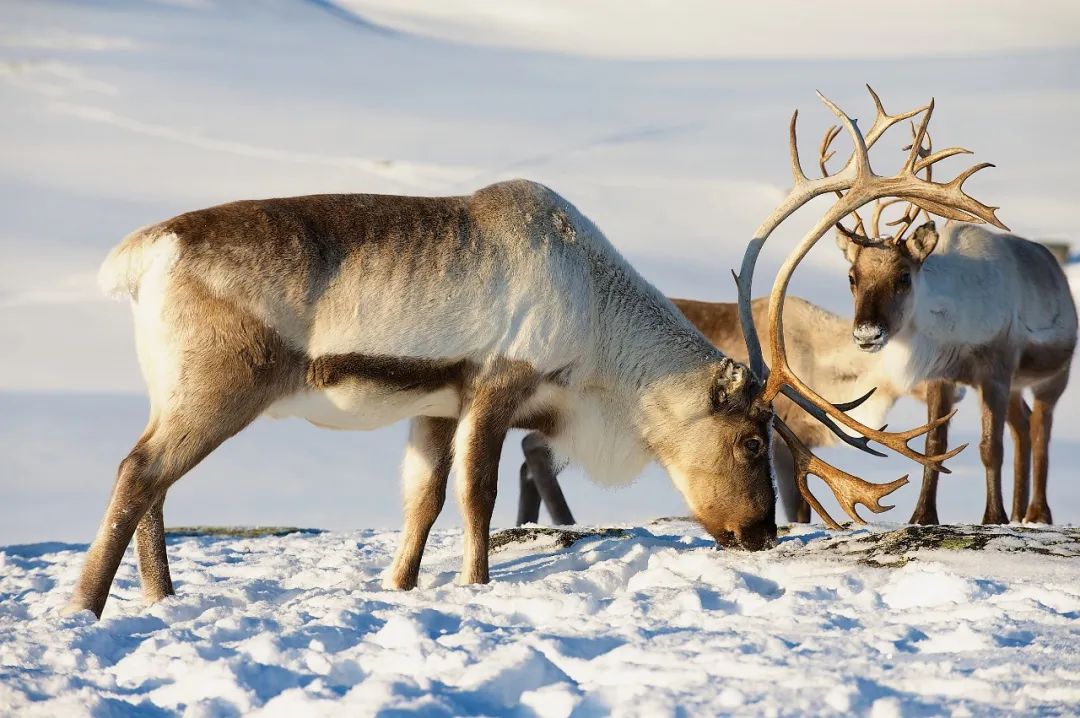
[647, 621]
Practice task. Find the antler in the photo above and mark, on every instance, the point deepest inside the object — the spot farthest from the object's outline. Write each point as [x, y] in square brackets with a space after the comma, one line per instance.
[849, 490]
[911, 213]
[856, 185]
[882, 122]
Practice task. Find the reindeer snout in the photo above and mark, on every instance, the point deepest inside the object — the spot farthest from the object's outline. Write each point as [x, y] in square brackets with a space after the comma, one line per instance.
[870, 337]
[756, 537]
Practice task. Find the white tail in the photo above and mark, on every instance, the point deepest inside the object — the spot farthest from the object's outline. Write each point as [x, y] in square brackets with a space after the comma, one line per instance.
[122, 270]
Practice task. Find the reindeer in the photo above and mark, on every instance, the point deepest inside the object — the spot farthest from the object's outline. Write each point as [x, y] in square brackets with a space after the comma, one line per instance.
[467, 315]
[992, 311]
[822, 352]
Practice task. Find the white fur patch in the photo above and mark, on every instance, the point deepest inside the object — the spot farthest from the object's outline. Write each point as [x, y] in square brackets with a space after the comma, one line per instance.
[364, 406]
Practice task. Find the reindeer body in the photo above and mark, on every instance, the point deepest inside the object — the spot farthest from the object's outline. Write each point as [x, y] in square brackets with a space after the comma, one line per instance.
[467, 315]
[989, 310]
[980, 293]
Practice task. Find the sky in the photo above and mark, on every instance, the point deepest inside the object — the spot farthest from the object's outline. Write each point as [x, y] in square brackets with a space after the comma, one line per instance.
[667, 129]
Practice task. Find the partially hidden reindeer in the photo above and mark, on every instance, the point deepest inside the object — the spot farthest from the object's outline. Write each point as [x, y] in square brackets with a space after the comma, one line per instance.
[469, 316]
[989, 310]
[821, 352]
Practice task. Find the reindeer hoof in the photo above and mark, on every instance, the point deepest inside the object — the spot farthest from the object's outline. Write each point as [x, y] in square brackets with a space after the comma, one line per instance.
[393, 582]
[925, 518]
[995, 517]
[1038, 515]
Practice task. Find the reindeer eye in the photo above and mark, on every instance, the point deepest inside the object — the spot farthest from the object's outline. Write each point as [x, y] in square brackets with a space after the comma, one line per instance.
[753, 446]
[904, 280]
[851, 279]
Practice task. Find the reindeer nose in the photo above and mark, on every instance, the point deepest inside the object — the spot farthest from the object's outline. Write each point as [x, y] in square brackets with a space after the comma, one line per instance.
[869, 337]
[755, 537]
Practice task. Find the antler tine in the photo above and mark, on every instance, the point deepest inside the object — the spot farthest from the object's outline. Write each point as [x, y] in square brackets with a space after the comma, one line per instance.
[879, 207]
[849, 490]
[746, 316]
[912, 212]
[883, 121]
[857, 235]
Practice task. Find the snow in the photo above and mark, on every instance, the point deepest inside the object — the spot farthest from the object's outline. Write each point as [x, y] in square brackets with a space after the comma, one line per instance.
[650, 620]
[767, 30]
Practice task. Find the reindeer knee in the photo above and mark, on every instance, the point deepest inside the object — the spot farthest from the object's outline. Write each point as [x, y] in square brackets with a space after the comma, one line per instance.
[991, 450]
[137, 482]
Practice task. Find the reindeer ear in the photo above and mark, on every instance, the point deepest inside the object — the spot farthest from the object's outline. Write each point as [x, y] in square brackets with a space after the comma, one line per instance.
[730, 386]
[921, 244]
[848, 247]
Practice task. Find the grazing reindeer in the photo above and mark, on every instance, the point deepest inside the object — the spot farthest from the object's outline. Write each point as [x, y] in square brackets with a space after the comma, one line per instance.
[989, 310]
[822, 353]
[469, 316]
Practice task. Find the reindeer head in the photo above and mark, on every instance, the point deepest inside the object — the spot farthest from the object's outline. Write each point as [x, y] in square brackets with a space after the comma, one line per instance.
[715, 445]
[883, 276]
[855, 185]
[884, 272]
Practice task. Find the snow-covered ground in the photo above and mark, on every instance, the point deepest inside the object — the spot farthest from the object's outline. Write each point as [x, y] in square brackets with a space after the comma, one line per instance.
[648, 622]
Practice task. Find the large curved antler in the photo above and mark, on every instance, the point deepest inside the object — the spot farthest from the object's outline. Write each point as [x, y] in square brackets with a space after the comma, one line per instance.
[856, 185]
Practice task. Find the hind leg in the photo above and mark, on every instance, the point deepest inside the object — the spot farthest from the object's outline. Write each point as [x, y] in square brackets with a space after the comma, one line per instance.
[1020, 428]
[545, 477]
[179, 441]
[153, 560]
[1042, 419]
[428, 457]
[233, 368]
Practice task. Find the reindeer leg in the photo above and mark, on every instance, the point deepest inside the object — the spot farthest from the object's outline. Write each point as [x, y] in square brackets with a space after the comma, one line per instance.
[546, 479]
[939, 402]
[153, 560]
[487, 416]
[1020, 427]
[171, 447]
[529, 500]
[995, 400]
[1042, 419]
[796, 510]
[428, 457]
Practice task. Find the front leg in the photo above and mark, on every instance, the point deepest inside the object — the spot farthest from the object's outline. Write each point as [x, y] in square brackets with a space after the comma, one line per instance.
[424, 472]
[995, 400]
[1020, 425]
[494, 398]
[939, 402]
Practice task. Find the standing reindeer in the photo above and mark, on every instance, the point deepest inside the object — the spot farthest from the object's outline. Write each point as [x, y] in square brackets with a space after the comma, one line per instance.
[989, 310]
[469, 316]
[823, 353]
